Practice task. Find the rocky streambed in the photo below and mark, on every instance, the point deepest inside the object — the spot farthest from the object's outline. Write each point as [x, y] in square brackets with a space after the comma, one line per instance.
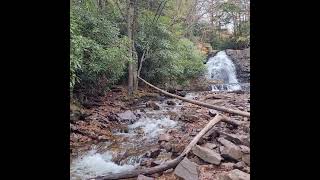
[120, 135]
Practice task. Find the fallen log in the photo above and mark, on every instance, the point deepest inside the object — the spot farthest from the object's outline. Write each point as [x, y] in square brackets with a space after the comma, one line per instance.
[168, 164]
[223, 109]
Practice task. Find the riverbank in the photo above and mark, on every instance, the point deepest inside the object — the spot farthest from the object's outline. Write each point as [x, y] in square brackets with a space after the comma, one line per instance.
[148, 129]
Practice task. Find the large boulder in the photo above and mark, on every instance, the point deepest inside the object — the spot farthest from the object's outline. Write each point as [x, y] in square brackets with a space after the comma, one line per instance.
[230, 150]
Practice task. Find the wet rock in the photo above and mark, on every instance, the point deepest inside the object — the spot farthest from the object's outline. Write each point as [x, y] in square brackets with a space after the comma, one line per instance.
[127, 115]
[213, 112]
[153, 153]
[201, 140]
[123, 129]
[230, 150]
[153, 105]
[210, 145]
[239, 165]
[172, 90]
[211, 134]
[189, 117]
[237, 139]
[235, 174]
[182, 93]
[164, 137]
[142, 177]
[207, 155]
[187, 170]
[246, 159]
[171, 103]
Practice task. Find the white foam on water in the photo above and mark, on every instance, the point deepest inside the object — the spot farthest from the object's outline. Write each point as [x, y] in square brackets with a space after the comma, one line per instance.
[153, 127]
[95, 164]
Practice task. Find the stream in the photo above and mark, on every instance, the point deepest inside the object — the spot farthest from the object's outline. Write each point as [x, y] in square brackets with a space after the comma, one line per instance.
[127, 152]
[129, 148]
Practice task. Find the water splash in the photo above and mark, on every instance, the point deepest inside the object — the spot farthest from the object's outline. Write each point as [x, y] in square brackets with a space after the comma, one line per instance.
[141, 135]
[95, 164]
[153, 127]
[222, 69]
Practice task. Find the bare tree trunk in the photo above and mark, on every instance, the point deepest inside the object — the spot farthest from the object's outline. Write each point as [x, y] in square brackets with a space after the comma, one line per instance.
[130, 11]
[134, 30]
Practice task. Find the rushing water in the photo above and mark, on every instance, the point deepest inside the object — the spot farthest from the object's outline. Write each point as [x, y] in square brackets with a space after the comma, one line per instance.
[127, 151]
[222, 69]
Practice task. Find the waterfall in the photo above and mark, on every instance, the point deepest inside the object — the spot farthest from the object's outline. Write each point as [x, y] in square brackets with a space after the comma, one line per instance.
[222, 69]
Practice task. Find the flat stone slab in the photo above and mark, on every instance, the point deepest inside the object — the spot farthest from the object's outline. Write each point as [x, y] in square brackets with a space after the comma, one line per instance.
[187, 170]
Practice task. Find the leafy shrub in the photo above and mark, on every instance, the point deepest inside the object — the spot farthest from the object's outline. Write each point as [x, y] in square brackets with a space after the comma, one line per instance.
[172, 58]
[98, 55]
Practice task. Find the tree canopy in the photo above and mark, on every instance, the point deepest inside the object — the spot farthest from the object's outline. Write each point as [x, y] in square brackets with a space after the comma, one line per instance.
[162, 41]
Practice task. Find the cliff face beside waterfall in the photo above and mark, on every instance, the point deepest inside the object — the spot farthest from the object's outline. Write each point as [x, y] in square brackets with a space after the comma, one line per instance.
[241, 59]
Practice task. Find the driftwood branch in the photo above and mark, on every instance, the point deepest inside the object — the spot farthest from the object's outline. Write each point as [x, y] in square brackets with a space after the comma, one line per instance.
[223, 109]
[168, 164]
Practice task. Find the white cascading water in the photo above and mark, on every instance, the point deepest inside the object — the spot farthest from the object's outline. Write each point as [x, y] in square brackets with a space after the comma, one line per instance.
[94, 163]
[221, 68]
